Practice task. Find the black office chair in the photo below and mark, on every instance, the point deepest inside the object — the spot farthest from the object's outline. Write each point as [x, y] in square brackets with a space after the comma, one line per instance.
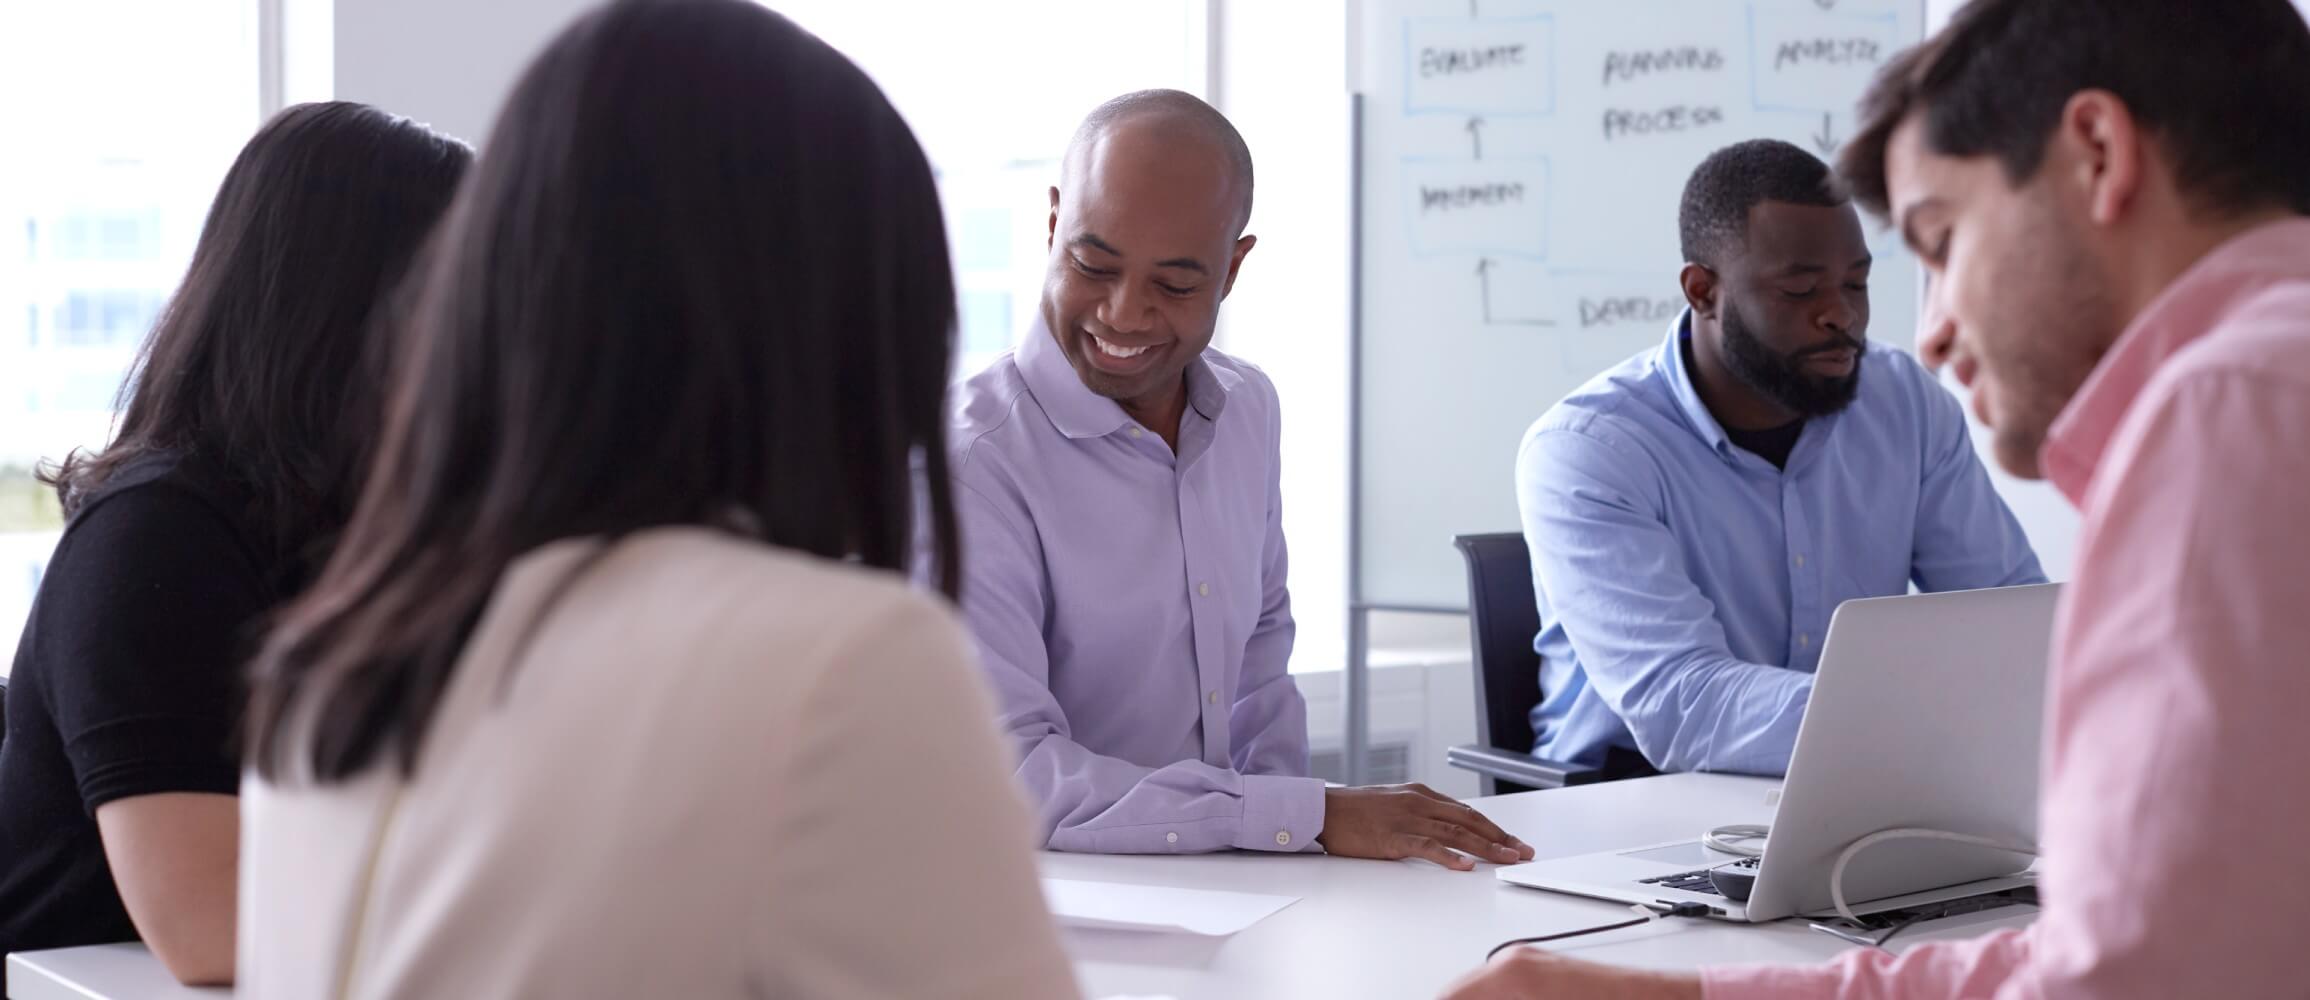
[1503, 619]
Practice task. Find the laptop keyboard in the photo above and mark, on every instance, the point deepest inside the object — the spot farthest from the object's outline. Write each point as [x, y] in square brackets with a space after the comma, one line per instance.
[1687, 881]
[1694, 881]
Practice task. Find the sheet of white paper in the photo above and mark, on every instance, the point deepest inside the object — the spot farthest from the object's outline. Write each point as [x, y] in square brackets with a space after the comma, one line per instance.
[1115, 905]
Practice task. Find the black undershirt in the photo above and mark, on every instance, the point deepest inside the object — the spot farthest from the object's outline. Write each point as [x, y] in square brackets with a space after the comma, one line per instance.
[1773, 444]
[126, 683]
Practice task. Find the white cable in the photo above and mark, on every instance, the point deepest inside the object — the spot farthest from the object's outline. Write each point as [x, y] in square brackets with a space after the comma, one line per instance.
[1837, 872]
[1734, 839]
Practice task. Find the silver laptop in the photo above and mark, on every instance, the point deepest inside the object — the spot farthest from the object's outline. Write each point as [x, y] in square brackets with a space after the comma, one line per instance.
[1925, 713]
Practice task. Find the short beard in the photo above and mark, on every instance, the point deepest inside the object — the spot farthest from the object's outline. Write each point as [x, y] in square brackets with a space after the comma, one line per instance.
[1782, 378]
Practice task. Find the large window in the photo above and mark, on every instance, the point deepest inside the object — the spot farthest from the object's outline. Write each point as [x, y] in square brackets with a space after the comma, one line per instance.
[117, 120]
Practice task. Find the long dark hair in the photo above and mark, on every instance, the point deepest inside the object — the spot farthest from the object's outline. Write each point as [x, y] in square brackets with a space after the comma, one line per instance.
[699, 278]
[263, 361]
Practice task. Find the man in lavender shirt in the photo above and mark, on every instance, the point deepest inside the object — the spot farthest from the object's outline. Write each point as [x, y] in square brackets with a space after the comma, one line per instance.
[1117, 482]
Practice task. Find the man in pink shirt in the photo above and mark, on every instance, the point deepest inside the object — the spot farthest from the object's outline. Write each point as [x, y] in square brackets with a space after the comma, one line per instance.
[2109, 194]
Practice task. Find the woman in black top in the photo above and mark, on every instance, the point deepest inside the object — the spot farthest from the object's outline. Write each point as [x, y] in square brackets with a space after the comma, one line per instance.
[235, 464]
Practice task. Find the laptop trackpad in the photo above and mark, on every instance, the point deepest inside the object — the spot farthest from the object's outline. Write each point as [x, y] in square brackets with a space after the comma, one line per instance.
[1690, 854]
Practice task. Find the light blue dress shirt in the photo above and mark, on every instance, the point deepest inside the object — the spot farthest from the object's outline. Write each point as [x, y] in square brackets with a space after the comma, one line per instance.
[1685, 583]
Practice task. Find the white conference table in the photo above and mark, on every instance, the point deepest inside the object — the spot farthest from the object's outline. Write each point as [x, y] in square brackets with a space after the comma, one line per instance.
[98, 972]
[1405, 930]
[1377, 929]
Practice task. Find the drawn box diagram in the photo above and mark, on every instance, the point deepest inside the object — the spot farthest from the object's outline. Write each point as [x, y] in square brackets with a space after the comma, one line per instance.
[1492, 206]
[1812, 62]
[1495, 66]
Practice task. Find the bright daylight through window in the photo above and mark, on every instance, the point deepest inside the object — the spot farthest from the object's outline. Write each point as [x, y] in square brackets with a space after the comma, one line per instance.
[117, 120]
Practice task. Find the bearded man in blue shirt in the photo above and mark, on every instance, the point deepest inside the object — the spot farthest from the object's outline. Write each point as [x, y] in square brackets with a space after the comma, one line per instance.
[1696, 513]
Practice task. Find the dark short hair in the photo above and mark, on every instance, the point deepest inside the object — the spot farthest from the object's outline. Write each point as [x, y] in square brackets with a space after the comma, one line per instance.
[1713, 218]
[1181, 109]
[2223, 85]
[700, 278]
[265, 361]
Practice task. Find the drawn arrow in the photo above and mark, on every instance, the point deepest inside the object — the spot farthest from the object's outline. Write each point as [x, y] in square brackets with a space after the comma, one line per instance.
[1826, 138]
[1476, 132]
[1484, 266]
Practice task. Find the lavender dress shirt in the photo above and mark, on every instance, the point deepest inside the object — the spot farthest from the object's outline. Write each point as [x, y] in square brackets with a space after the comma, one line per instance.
[1130, 608]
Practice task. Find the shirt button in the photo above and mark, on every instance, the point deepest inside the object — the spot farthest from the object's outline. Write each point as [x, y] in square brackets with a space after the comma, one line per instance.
[1805, 640]
[1213, 698]
[1283, 838]
[1170, 838]
[1135, 432]
[1203, 589]
[1800, 560]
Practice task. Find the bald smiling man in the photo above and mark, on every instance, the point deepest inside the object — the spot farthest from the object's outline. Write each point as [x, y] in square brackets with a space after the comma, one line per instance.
[1117, 483]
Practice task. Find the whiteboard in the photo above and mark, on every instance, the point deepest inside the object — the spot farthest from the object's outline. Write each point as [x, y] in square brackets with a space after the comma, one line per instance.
[1519, 167]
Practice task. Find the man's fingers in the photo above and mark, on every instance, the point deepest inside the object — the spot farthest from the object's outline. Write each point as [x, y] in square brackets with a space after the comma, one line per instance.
[1462, 814]
[1468, 841]
[1428, 849]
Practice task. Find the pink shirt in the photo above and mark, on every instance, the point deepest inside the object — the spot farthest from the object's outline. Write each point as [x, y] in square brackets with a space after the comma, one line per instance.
[2174, 796]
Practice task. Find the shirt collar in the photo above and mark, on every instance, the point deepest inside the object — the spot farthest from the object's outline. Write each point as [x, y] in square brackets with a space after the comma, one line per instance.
[1671, 362]
[1080, 413]
[2186, 310]
[1672, 367]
